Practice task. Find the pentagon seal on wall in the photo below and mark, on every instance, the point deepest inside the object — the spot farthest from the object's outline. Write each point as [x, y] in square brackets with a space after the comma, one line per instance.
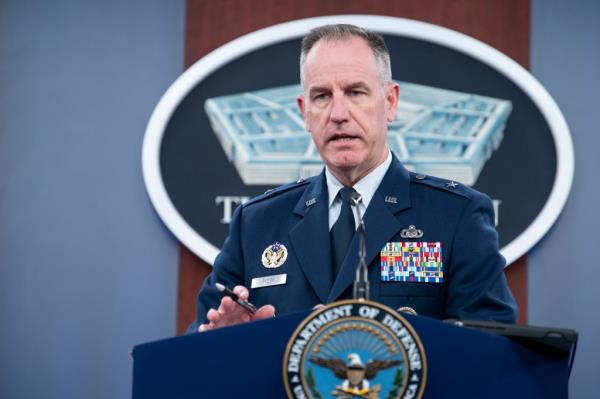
[467, 113]
[355, 349]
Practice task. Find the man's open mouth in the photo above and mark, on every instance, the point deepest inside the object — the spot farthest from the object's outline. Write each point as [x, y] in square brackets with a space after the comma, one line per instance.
[342, 138]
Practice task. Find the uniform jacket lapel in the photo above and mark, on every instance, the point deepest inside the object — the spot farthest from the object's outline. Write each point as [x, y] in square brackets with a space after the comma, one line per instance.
[310, 237]
[381, 223]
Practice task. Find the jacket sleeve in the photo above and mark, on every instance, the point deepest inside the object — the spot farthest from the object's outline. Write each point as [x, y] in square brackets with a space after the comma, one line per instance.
[477, 285]
[228, 270]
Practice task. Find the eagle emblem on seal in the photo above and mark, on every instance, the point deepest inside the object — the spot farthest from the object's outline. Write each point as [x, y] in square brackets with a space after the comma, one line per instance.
[274, 255]
[355, 375]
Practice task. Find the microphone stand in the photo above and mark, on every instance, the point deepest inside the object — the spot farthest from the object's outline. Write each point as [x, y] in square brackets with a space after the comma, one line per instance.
[361, 282]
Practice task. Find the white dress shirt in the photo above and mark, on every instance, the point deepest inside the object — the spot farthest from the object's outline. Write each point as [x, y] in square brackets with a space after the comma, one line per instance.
[366, 187]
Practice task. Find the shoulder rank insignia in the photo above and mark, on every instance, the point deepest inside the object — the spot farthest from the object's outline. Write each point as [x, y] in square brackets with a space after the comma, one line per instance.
[411, 232]
[274, 255]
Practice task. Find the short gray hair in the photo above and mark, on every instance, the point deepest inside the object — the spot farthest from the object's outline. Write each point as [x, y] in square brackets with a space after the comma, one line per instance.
[343, 32]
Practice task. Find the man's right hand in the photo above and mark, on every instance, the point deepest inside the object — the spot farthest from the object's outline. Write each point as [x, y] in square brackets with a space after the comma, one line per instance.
[230, 313]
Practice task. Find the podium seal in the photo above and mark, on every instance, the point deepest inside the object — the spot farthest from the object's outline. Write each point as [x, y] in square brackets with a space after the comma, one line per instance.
[354, 349]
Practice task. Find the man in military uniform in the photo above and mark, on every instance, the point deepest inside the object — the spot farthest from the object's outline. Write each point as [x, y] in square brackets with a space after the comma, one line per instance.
[430, 243]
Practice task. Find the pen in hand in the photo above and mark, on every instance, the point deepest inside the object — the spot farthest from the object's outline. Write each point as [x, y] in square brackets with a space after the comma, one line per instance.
[227, 292]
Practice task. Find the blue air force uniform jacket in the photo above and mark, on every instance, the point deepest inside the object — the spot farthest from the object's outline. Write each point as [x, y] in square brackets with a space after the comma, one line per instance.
[470, 282]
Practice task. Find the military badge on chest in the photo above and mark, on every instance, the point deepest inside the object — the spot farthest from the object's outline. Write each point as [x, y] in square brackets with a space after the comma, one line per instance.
[274, 255]
[412, 261]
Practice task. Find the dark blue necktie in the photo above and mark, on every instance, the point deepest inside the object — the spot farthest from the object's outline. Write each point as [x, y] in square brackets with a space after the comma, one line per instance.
[343, 230]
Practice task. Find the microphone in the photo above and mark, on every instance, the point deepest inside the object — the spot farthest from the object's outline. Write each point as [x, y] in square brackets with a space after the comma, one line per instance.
[361, 282]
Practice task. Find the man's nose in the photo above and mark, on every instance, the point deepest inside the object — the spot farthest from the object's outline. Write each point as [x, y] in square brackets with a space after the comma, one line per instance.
[339, 110]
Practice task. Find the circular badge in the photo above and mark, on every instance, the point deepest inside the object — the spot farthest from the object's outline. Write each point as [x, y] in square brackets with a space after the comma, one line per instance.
[274, 255]
[355, 349]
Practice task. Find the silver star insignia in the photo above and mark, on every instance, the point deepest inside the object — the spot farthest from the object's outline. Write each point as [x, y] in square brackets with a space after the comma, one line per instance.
[451, 184]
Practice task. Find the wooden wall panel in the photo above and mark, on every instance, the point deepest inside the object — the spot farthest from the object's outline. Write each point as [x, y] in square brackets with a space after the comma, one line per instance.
[504, 25]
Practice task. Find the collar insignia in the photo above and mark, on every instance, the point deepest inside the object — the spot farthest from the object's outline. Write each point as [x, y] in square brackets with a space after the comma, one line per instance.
[391, 200]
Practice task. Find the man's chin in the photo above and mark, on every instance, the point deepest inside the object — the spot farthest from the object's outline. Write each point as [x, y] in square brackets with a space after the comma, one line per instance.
[344, 159]
[346, 170]
[345, 165]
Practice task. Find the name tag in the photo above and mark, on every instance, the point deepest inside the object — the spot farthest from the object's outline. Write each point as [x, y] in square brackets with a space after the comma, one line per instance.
[414, 262]
[268, 281]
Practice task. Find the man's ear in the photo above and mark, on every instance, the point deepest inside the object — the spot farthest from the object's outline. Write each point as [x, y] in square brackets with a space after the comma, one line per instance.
[302, 108]
[300, 101]
[392, 96]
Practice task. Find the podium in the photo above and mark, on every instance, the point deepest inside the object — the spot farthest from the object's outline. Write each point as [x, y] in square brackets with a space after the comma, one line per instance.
[245, 361]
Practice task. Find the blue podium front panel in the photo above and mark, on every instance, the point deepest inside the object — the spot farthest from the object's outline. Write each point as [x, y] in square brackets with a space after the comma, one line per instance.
[245, 362]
